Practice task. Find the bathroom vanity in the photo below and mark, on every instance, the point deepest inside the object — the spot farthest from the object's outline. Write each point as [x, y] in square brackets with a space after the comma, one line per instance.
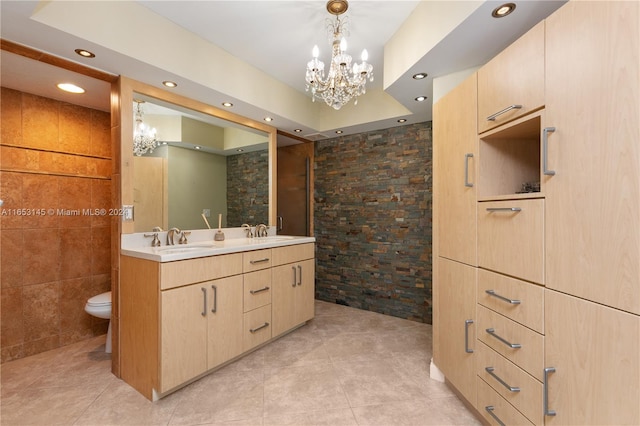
[187, 310]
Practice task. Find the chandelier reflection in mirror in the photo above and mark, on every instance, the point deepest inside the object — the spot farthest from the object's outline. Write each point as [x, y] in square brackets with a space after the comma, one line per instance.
[343, 81]
[144, 137]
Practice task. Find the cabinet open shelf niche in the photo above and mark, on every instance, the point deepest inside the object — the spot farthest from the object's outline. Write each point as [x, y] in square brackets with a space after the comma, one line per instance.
[510, 156]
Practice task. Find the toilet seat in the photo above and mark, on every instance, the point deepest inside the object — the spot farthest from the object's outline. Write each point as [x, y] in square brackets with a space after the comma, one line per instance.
[103, 299]
[100, 306]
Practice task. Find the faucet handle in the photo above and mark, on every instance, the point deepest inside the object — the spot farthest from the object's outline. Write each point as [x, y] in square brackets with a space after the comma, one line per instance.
[183, 237]
[156, 241]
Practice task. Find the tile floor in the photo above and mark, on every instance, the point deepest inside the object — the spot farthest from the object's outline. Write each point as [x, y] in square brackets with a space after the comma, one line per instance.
[345, 367]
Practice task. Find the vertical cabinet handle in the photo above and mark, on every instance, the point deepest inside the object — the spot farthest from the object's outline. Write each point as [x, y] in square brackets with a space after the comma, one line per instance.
[299, 275]
[280, 220]
[545, 151]
[215, 299]
[466, 336]
[490, 409]
[466, 170]
[204, 297]
[295, 279]
[545, 397]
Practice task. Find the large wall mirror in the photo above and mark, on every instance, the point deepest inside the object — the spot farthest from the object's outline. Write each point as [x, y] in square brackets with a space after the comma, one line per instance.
[207, 164]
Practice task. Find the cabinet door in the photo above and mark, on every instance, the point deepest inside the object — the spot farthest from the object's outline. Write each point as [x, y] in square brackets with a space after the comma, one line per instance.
[184, 334]
[456, 307]
[592, 202]
[225, 320]
[284, 281]
[514, 77]
[595, 351]
[305, 291]
[455, 159]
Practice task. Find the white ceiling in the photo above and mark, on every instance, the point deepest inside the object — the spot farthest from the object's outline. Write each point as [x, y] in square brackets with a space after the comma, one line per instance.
[254, 53]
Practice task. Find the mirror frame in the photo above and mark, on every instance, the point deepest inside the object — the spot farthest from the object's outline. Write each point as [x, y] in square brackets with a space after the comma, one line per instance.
[127, 89]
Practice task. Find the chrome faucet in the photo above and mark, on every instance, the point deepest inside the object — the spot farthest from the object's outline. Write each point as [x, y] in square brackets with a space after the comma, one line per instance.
[170, 234]
[261, 230]
[248, 230]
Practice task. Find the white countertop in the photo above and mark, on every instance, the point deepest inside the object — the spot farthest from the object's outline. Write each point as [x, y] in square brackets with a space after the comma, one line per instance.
[204, 247]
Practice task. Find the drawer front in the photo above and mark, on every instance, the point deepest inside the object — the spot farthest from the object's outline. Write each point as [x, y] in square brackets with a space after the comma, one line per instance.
[520, 301]
[511, 238]
[489, 401]
[179, 273]
[257, 289]
[517, 343]
[295, 253]
[511, 382]
[257, 327]
[256, 260]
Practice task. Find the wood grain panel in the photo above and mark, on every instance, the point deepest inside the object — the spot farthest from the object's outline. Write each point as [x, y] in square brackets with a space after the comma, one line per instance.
[182, 272]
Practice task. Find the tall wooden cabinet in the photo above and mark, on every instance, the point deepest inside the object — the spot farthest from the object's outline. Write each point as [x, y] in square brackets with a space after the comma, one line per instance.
[558, 196]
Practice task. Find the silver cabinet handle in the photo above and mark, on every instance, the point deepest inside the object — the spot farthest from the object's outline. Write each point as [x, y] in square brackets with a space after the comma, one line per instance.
[492, 332]
[545, 151]
[215, 299]
[504, 209]
[466, 336]
[280, 223]
[253, 330]
[466, 170]
[490, 409]
[506, 299]
[204, 294]
[299, 275]
[253, 262]
[493, 117]
[491, 370]
[260, 290]
[295, 280]
[545, 398]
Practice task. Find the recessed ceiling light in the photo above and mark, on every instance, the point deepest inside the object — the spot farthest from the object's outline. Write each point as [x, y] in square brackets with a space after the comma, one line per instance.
[85, 53]
[227, 104]
[504, 10]
[420, 76]
[402, 120]
[171, 84]
[197, 147]
[421, 98]
[70, 87]
[239, 150]
[268, 119]
[297, 130]
[339, 132]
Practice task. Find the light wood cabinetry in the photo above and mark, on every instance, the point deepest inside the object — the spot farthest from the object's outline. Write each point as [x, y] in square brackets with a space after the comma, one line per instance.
[515, 77]
[456, 152]
[293, 287]
[224, 329]
[495, 409]
[592, 201]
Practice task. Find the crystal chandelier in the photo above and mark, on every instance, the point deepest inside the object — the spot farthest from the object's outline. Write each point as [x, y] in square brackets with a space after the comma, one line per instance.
[343, 82]
[144, 137]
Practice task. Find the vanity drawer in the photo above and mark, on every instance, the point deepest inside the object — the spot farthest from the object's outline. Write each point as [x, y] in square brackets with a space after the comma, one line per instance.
[182, 272]
[511, 238]
[290, 254]
[527, 398]
[257, 289]
[257, 327]
[521, 301]
[517, 343]
[489, 401]
[256, 260]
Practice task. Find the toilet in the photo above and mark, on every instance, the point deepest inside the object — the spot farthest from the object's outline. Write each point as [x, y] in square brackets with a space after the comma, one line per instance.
[100, 306]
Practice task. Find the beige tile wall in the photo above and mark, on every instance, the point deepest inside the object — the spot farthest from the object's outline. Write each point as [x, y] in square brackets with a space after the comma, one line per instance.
[53, 155]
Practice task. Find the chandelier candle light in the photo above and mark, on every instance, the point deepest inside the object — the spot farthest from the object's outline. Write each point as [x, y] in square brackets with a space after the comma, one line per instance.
[144, 137]
[343, 82]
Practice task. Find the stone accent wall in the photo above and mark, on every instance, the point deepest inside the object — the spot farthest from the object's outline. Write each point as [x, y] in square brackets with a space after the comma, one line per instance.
[55, 168]
[373, 221]
[248, 188]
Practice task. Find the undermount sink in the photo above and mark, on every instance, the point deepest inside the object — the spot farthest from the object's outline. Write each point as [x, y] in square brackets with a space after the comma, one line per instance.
[275, 238]
[184, 248]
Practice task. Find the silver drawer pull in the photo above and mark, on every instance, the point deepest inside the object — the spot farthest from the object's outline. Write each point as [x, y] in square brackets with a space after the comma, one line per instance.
[253, 262]
[490, 409]
[215, 299]
[295, 280]
[493, 117]
[466, 336]
[504, 209]
[260, 290]
[506, 299]
[545, 151]
[253, 330]
[545, 398]
[490, 370]
[466, 170]
[204, 297]
[492, 332]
